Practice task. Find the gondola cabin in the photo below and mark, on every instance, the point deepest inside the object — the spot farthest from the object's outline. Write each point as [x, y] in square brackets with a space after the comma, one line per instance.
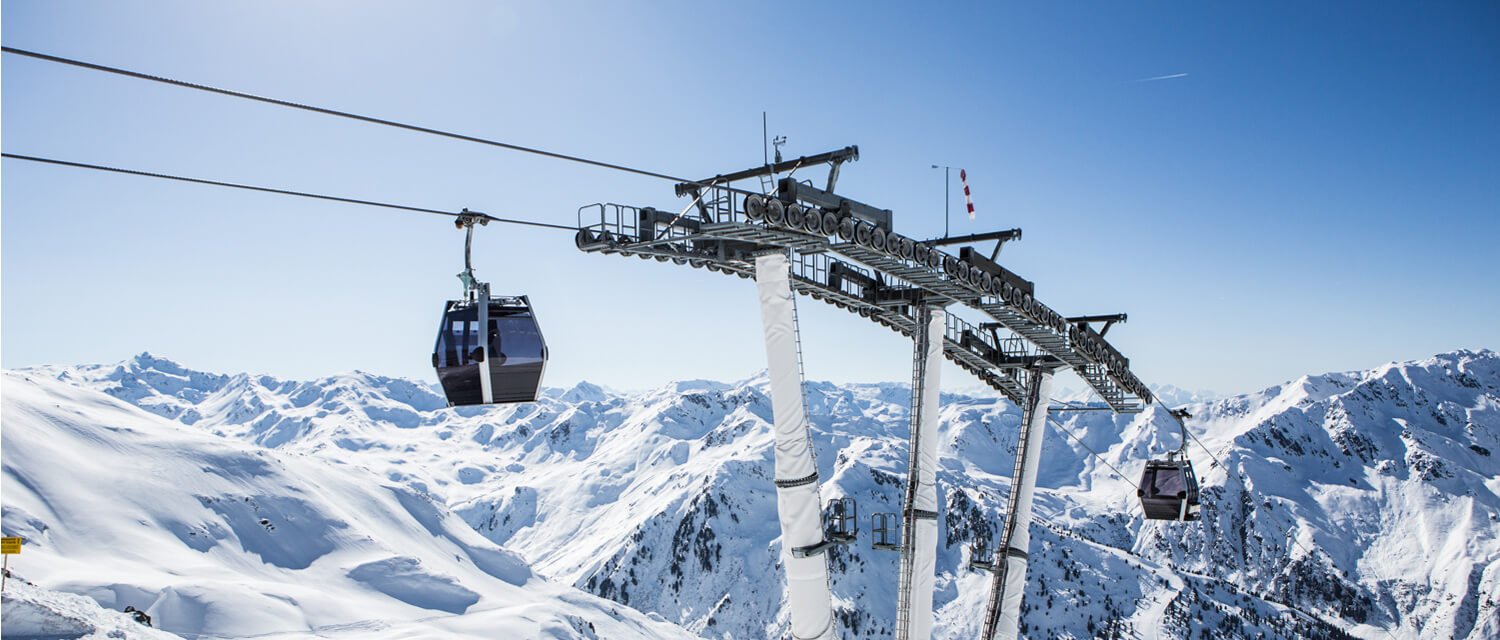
[1169, 490]
[489, 350]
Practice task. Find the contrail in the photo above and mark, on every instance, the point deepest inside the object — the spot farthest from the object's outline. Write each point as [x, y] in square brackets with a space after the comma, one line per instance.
[1166, 77]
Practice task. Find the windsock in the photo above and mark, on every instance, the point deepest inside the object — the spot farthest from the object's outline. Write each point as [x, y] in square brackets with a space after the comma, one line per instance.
[963, 176]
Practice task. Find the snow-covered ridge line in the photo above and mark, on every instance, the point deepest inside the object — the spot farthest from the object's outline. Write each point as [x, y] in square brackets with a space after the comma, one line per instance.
[36, 612]
[1353, 502]
[213, 536]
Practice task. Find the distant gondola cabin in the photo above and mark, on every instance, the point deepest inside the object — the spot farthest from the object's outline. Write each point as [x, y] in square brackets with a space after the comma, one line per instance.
[1169, 490]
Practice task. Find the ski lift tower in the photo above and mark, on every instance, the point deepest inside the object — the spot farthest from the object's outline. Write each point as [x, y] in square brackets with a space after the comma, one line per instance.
[794, 237]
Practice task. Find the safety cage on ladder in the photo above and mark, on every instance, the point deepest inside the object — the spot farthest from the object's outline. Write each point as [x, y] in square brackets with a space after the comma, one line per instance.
[885, 531]
[981, 556]
[842, 518]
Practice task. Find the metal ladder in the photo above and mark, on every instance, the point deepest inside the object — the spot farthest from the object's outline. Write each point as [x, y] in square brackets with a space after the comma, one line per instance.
[807, 418]
[767, 184]
[801, 372]
[997, 591]
[908, 522]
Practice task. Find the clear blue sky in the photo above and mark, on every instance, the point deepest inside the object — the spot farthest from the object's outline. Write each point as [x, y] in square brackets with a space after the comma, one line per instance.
[1319, 191]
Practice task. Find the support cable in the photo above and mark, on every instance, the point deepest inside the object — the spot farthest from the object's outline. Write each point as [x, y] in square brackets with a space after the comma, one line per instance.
[1289, 533]
[1137, 487]
[408, 127]
[1180, 423]
[1136, 505]
[354, 116]
[1075, 438]
[285, 192]
[1183, 423]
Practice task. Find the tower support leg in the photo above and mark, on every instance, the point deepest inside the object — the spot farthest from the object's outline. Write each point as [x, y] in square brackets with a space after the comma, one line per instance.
[797, 504]
[1003, 613]
[920, 511]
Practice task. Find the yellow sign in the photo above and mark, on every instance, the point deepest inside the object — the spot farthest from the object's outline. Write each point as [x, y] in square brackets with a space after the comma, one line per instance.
[10, 546]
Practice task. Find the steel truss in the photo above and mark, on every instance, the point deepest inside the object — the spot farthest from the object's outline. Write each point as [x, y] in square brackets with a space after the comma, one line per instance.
[845, 253]
[877, 282]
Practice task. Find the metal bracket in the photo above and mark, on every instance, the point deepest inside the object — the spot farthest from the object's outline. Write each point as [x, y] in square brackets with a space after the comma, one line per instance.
[978, 549]
[1108, 319]
[849, 272]
[1182, 415]
[466, 220]
[789, 190]
[831, 157]
[1000, 238]
[881, 526]
[650, 217]
[702, 206]
[976, 261]
[843, 528]
[833, 168]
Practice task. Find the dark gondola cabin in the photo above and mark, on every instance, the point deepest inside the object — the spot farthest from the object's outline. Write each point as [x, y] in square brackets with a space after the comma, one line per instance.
[1169, 490]
[489, 352]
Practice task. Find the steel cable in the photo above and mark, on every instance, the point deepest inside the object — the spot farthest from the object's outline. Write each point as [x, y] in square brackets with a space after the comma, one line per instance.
[334, 112]
[286, 192]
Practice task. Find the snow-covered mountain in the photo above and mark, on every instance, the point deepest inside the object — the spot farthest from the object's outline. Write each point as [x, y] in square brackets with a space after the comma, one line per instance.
[1361, 503]
[214, 536]
[36, 612]
[1371, 498]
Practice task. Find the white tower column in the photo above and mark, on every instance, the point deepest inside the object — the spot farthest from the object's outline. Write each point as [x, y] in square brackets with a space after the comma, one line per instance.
[797, 504]
[1003, 615]
[920, 512]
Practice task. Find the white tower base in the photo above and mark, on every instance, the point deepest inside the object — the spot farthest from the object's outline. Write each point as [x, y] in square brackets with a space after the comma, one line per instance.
[920, 512]
[797, 504]
[1003, 616]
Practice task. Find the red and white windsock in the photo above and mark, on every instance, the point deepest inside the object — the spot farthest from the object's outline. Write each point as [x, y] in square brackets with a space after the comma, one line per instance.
[963, 176]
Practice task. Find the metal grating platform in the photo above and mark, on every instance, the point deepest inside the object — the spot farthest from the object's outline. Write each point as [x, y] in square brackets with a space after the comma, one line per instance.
[877, 284]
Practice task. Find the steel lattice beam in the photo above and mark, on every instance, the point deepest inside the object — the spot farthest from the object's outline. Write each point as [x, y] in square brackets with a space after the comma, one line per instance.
[728, 241]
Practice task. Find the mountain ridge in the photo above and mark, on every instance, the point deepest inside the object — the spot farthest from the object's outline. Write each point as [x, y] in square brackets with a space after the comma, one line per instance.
[213, 536]
[653, 491]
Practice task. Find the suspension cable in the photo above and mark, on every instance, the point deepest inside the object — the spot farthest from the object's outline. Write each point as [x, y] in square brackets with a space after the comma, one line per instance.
[431, 131]
[1289, 533]
[334, 112]
[1189, 434]
[1075, 438]
[285, 192]
[1182, 424]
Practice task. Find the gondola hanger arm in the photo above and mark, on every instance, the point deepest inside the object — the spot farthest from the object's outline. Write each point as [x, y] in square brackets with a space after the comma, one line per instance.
[1181, 415]
[466, 220]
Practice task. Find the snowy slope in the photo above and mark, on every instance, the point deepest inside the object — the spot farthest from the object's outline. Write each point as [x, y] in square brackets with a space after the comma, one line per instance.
[31, 612]
[662, 500]
[1372, 497]
[217, 537]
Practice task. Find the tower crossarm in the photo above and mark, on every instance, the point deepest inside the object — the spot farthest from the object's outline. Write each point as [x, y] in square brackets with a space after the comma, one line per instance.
[844, 253]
